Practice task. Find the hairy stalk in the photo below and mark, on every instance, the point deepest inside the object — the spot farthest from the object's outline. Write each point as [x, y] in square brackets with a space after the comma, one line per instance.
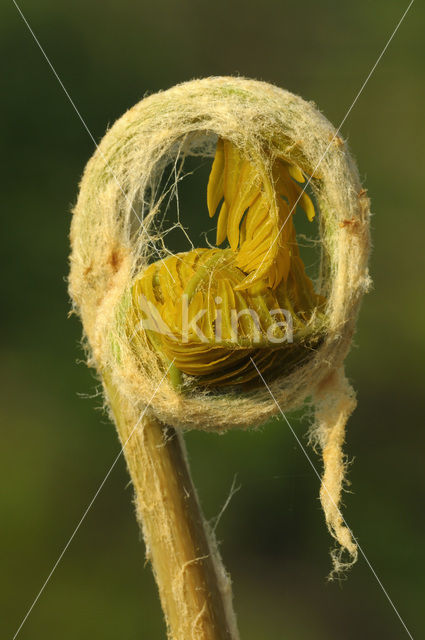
[194, 588]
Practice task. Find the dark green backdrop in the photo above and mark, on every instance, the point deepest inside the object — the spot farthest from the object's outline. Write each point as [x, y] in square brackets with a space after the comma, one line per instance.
[56, 444]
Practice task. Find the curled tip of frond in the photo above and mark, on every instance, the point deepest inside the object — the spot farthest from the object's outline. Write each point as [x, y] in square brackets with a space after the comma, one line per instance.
[271, 144]
[252, 300]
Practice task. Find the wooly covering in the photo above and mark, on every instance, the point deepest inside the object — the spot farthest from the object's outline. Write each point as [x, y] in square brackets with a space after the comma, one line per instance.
[114, 236]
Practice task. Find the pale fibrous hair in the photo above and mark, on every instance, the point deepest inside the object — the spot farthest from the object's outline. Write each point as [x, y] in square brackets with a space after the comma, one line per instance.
[114, 237]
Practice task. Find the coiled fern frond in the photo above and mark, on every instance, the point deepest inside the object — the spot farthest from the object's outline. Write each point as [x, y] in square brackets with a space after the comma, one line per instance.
[209, 311]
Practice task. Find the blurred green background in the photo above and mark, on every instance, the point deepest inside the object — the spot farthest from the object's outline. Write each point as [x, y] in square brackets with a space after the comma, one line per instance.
[56, 444]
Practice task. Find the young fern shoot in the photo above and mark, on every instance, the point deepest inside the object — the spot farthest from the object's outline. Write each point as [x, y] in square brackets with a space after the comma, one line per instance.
[218, 337]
